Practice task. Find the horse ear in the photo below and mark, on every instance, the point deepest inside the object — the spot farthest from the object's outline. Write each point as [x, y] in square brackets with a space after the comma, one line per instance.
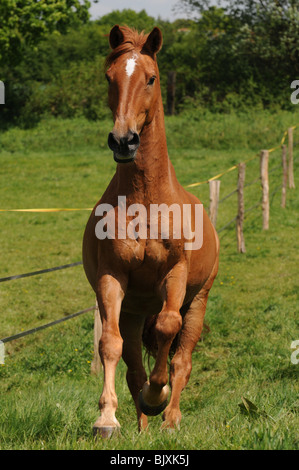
[154, 42]
[116, 37]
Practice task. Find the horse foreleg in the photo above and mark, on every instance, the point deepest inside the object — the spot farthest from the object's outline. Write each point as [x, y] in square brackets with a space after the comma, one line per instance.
[110, 293]
[96, 365]
[153, 398]
[131, 327]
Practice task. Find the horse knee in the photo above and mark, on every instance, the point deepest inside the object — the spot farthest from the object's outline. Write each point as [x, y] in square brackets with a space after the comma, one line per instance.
[110, 347]
[168, 324]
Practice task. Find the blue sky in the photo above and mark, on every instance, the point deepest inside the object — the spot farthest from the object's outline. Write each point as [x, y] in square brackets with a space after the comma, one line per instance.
[155, 8]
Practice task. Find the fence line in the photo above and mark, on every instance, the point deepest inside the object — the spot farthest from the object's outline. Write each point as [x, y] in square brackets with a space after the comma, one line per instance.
[267, 197]
[288, 132]
[47, 210]
[290, 150]
[284, 176]
[42, 271]
[240, 216]
[228, 195]
[257, 180]
[47, 325]
[227, 225]
[66, 266]
[214, 184]
[214, 200]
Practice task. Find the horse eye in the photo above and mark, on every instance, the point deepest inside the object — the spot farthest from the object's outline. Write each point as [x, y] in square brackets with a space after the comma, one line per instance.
[151, 80]
[107, 78]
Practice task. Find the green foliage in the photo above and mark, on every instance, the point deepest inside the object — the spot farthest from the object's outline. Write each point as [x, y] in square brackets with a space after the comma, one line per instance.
[26, 22]
[140, 21]
[247, 47]
[57, 52]
[237, 58]
[79, 90]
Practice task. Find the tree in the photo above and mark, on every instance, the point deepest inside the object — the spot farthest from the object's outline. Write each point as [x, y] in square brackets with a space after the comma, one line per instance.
[139, 21]
[241, 8]
[27, 22]
[257, 48]
[23, 25]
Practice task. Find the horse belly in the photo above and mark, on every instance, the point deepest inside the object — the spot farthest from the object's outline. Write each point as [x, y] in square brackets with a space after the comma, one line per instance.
[141, 303]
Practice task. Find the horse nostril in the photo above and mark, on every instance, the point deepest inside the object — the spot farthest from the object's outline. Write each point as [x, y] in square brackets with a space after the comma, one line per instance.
[134, 141]
[113, 143]
[125, 144]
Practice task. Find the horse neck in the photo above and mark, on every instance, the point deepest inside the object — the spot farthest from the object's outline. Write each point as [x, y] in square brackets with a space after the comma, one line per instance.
[151, 174]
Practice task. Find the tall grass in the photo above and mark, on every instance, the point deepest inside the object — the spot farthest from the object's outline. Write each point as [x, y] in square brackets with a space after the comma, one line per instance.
[48, 398]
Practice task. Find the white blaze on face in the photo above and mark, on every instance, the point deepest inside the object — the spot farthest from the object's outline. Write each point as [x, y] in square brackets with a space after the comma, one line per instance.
[130, 66]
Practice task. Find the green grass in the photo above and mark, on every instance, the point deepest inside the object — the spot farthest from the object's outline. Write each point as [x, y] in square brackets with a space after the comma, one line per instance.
[48, 399]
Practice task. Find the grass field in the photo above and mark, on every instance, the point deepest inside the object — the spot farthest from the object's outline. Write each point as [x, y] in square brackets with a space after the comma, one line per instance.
[48, 399]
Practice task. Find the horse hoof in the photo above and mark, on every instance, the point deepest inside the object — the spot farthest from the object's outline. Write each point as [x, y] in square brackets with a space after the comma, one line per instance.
[105, 432]
[151, 410]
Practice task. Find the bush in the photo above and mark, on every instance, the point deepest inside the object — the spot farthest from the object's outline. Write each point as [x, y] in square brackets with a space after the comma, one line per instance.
[80, 90]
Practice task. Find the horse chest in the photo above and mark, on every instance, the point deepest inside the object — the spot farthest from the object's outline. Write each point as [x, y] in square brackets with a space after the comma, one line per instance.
[129, 253]
[158, 253]
[146, 276]
[147, 254]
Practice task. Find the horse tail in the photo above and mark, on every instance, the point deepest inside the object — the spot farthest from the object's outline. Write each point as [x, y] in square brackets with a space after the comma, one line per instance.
[149, 336]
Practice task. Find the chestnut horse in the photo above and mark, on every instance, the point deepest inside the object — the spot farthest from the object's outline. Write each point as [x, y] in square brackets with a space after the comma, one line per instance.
[153, 289]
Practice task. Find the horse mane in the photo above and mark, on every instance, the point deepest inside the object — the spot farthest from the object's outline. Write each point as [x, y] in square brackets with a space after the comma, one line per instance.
[132, 41]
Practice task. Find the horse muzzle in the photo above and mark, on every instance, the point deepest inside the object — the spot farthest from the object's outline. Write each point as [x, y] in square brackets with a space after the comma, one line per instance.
[124, 147]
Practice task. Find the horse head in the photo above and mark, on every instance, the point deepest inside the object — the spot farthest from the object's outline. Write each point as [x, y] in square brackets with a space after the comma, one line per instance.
[134, 88]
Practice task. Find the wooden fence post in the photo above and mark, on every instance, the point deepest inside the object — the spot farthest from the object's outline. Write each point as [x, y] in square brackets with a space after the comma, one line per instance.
[290, 149]
[2, 353]
[264, 164]
[284, 176]
[214, 199]
[240, 216]
[96, 365]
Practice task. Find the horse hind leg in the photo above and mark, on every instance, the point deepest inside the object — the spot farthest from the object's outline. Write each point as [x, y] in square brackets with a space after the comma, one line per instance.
[181, 364]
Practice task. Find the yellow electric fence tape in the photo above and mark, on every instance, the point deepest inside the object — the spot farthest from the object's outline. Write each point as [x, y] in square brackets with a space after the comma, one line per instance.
[193, 185]
[44, 210]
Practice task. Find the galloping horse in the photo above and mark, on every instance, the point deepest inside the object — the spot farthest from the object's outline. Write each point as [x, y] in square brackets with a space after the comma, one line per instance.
[151, 289]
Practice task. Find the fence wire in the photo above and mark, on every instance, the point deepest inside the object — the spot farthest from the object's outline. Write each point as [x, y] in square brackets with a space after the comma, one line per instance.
[66, 266]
